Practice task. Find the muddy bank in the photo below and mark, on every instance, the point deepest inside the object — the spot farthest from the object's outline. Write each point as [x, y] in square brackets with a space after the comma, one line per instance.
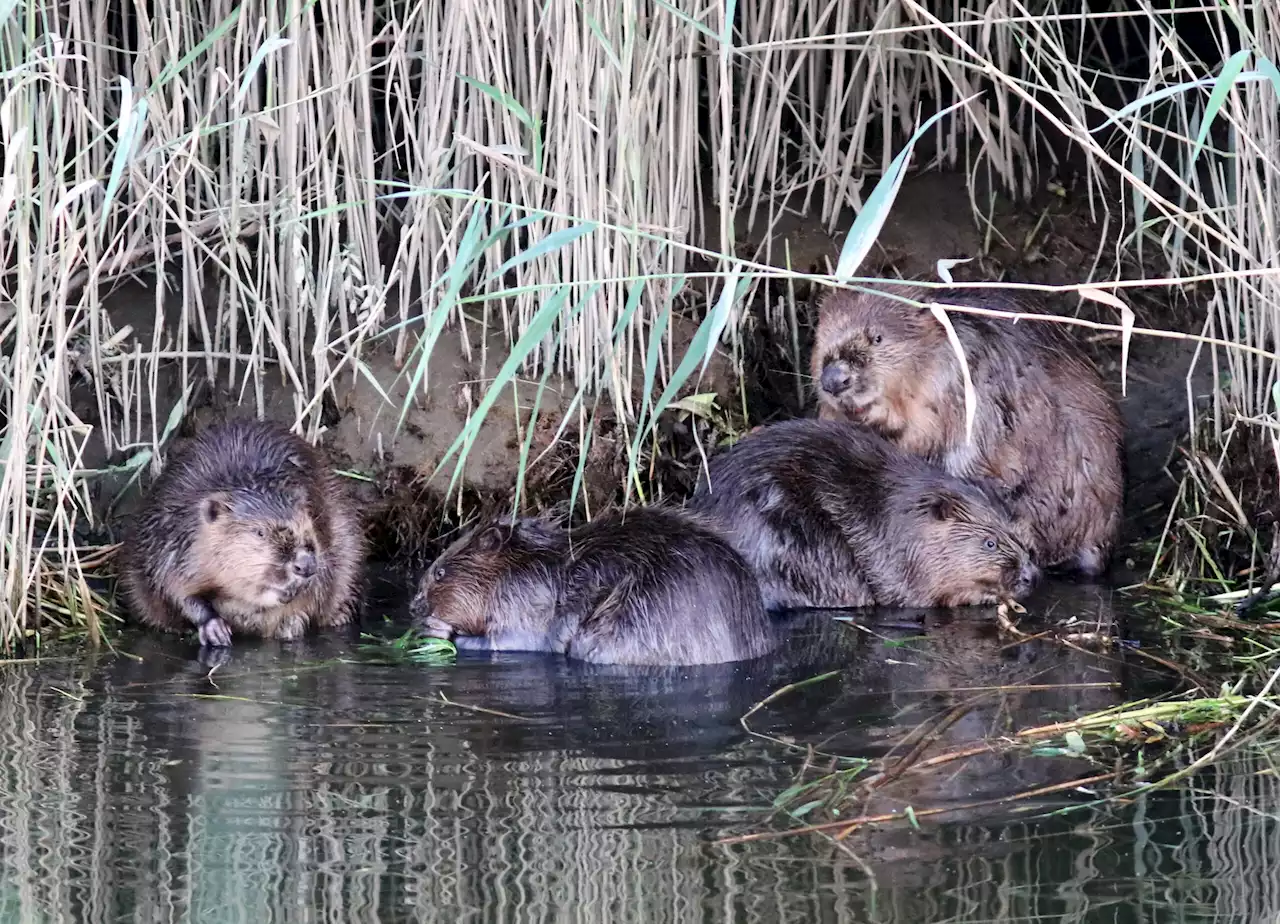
[1052, 239]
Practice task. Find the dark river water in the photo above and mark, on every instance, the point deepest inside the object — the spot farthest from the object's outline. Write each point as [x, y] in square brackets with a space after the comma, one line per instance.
[314, 782]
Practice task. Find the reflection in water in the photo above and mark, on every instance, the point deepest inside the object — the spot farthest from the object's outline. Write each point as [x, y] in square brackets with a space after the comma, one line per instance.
[307, 783]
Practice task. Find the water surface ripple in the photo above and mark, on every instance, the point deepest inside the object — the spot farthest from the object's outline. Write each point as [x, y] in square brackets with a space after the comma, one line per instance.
[305, 782]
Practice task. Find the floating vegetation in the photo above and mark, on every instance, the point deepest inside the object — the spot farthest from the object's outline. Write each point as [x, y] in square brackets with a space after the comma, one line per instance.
[411, 647]
[1113, 754]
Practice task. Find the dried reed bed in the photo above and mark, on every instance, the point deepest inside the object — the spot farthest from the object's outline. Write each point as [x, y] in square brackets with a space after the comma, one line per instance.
[312, 176]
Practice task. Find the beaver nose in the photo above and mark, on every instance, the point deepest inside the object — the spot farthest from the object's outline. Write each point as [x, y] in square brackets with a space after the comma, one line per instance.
[419, 610]
[836, 378]
[304, 564]
[1028, 575]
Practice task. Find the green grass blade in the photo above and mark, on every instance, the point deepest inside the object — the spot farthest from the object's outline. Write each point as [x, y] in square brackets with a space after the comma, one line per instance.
[1226, 80]
[1268, 70]
[653, 351]
[272, 44]
[202, 47]
[538, 327]
[866, 227]
[468, 253]
[1178, 89]
[584, 449]
[699, 348]
[634, 294]
[511, 104]
[689, 20]
[133, 116]
[527, 445]
[734, 288]
[549, 244]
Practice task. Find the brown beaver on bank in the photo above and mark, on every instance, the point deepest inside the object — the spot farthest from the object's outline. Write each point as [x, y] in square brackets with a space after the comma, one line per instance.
[650, 586]
[828, 514]
[246, 530]
[1044, 427]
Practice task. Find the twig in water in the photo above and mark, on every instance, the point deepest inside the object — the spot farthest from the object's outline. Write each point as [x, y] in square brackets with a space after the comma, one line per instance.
[926, 738]
[780, 692]
[847, 825]
[505, 715]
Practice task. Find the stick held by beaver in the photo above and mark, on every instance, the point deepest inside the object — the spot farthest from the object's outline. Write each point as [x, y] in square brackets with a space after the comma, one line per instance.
[1045, 427]
[650, 586]
[828, 514]
[246, 531]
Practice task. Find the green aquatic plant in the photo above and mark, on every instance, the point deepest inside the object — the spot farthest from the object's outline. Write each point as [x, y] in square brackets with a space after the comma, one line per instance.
[412, 647]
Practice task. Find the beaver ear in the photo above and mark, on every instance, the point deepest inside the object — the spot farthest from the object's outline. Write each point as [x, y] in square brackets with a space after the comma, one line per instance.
[214, 506]
[492, 537]
[944, 505]
[537, 532]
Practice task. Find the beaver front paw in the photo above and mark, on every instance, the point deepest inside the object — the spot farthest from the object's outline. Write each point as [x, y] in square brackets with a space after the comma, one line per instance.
[293, 627]
[216, 633]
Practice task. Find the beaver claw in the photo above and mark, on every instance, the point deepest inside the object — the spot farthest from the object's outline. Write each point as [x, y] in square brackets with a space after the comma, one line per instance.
[216, 633]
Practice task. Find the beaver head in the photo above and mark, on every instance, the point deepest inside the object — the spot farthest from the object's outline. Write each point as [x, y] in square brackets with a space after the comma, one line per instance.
[461, 587]
[867, 349]
[261, 546]
[971, 550]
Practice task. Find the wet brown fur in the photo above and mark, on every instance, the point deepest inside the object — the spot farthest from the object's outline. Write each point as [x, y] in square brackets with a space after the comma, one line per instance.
[828, 514]
[651, 586]
[224, 527]
[1045, 427]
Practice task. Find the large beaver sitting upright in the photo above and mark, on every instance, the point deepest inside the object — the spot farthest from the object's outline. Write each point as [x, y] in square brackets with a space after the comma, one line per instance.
[832, 515]
[246, 530]
[1045, 427]
[650, 586]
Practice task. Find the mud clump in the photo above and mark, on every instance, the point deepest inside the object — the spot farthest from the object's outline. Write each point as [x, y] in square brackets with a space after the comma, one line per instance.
[1045, 427]
[828, 514]
[246, 531]
[648, 586]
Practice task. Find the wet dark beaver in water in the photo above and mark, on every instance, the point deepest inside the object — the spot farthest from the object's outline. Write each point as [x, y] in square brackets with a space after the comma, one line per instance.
[828, 514]
[246, 530]
[1044, 427]
[651, 586]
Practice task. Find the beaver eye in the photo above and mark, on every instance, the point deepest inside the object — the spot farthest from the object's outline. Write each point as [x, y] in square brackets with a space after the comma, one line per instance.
[440, 574]
[877, 338]
[261, 533]
[989, 545]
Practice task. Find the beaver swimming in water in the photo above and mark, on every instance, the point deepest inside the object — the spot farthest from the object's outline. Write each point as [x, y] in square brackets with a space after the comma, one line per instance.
[246, 530]
[649, 586]
[828, 514]
[1045, 427]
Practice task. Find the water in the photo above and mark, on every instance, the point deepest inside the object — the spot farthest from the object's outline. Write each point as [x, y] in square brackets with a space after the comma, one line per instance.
[306, 782]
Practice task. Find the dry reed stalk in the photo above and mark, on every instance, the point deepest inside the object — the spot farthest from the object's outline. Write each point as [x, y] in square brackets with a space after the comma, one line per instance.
[534, 168]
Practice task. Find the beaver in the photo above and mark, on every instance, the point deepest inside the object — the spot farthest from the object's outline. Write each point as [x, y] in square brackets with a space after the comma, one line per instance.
[828, 514]
[1045, 427]
[247, 529]
[648, 586]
